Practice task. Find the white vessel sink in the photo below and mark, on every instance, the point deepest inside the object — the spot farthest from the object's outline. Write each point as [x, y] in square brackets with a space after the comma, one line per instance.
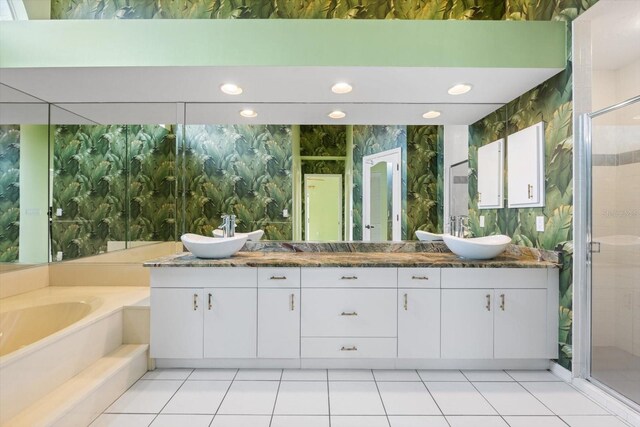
[213, 247]
[426, 236]
[478, 247]
[254, 236]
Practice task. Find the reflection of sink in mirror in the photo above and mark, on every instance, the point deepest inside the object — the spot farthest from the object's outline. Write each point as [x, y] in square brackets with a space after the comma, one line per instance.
[426, 236]
[252, 236]
[213, 247]
[477, 247]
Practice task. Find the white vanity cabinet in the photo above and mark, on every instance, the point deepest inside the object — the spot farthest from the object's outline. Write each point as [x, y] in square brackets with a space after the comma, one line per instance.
[230, 323]
[347, 317]
[279, 313]
[418, 313]
[494, 314]
[176, 318]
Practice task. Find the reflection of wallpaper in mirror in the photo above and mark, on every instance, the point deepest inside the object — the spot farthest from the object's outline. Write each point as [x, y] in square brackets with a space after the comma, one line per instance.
[9, 192]
[242, 170]
[425, 177]
[113, 183]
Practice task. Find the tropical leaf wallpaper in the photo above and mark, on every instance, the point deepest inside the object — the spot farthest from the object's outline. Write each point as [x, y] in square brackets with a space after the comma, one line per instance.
[371, 140]
[240, 170]
[425, 179]
[291, 9]
[113, 183]
[9, 192]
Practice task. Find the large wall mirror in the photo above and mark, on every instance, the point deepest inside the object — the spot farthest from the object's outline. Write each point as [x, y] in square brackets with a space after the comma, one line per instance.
[129, 178]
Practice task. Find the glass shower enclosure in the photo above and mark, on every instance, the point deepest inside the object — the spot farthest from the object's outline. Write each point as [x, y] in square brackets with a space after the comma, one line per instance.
[614, 253]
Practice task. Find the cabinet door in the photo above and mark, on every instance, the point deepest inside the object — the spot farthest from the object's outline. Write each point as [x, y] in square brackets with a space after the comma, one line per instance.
[467, 323]
[279, 323]
[176, 323]
[520, 324]
[525, 167]
[490, 175]
[419, 323]
[230, 318]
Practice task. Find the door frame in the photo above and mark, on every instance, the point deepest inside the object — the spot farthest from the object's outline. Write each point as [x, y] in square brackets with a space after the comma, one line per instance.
[306, 199]
[393, 156]
[583, 234]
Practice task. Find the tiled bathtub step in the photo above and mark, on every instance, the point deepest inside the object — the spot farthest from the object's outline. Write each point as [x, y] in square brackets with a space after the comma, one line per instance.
[78, 401]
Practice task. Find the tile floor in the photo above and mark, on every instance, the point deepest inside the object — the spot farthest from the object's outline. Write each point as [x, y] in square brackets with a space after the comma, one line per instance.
[352, 398]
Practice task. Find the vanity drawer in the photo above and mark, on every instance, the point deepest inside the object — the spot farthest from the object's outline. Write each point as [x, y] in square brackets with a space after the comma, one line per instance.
[318, 277]
[348, 347]
[273, 277]
[418, 277]
[488, 278]
[349, 312]
[204, 277]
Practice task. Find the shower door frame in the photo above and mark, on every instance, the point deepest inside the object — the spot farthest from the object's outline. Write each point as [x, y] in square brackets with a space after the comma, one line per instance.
[585, 264]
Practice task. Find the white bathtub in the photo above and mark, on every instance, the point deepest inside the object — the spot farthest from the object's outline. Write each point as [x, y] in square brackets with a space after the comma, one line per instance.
[51, 334]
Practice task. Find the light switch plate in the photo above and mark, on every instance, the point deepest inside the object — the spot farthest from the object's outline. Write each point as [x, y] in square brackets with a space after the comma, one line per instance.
[540, 223]
[59, 212]
[285, 213]
[481, 221]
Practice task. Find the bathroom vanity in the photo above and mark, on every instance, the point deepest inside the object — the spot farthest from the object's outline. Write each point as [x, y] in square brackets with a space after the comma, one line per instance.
[404, 310]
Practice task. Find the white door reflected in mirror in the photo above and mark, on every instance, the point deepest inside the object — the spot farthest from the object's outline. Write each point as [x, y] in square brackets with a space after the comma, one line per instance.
[381, 204]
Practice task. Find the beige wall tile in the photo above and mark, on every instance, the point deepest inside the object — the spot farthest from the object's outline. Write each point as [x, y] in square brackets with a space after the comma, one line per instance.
[21, 281]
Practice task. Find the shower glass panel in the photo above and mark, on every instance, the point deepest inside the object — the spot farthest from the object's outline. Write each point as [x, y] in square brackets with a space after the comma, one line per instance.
[615, 250]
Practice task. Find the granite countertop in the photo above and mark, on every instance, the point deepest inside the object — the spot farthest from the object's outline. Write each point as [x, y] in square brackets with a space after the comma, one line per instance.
[348, 259]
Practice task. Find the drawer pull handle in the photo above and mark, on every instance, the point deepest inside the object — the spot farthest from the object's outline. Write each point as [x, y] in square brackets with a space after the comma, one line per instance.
[195, 302]
[488, 306]
[293, 305]
[419, 278]
[278, 278]
[349, 278]
[406, 302]
[210, 303]
[502, 302]
[353, 348]
[350, 313]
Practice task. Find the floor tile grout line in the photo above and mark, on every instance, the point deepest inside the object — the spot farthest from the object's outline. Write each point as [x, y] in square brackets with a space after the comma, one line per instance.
[485, 398]
[541, 402]
[381, 399]
[435, 401]
[275, 401]
[224, 397]
[169, 400]
[328, 399]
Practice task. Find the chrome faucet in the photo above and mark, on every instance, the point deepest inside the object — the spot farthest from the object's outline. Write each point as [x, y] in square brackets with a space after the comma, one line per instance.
[458, 225]
[228, 225]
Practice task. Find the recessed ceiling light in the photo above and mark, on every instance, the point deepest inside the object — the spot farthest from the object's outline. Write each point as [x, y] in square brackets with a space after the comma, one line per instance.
[459, 89]
[337, 114]
[248, 113]
[231, 89]
[341, 88]
[431, 114]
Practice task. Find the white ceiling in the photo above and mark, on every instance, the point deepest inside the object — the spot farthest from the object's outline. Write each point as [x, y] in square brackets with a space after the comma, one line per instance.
[615, 33]
[301, 95]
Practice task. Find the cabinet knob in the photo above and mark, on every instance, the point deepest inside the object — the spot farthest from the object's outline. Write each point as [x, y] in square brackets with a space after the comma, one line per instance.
[406, 302]
[419, 278]
[210, 303]
[349, 278]
[529, 191]
[352, 348]
[502, 302]
[195, 302]
[348, 313]
[292, 302]
[278, 278]
[488, 306]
